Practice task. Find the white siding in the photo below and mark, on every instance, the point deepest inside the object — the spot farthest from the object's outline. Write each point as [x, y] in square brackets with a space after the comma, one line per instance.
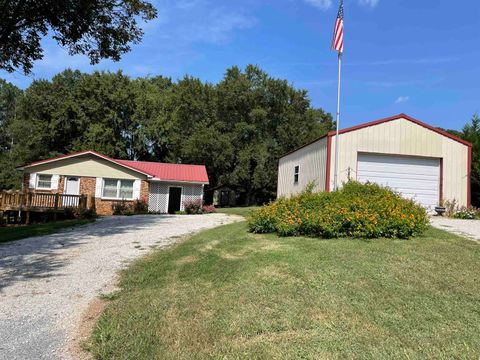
[415, 178]
[312, 163]
[404, 137]
[158, 196]
[395, 137]
[86, 165]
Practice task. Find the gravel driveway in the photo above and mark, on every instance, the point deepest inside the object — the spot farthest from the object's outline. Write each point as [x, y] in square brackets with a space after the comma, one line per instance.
[46, 283]
[467, 228]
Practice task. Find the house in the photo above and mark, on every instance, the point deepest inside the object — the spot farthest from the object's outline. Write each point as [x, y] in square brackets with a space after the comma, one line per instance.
[419, 161]
[106, 181]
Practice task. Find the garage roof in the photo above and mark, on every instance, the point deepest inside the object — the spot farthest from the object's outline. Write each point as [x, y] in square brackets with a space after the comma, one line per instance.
[380, 121]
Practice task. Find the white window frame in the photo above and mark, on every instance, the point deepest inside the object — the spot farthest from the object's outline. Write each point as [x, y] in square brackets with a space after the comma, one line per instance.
[119, 184]
[296, 174]
[37, 187]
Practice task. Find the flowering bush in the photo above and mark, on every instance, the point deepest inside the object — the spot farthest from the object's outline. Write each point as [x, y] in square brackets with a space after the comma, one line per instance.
[208, 209]
[467, 213]
[357, 210]
[460, 212]
[193, 206]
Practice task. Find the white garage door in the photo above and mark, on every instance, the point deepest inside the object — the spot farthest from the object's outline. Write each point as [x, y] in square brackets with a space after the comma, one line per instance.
[414, 177]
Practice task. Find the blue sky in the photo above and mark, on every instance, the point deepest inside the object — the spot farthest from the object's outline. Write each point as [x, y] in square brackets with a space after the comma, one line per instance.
[417, 57]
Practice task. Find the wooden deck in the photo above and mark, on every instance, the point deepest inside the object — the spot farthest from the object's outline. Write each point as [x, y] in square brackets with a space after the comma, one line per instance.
[39, 202]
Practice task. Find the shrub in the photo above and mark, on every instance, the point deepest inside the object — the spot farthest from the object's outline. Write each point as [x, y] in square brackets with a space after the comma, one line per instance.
[193, 206]
[208, 209]
[460, 212]
[140, 207]
[121, 208]
[466, 213]
[86, 214]
[357, 210]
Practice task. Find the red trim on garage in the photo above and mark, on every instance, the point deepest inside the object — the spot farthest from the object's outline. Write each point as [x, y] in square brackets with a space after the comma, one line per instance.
[469, 177]
[409, 118]
[329, 156]
[380, 121]
[441, 182]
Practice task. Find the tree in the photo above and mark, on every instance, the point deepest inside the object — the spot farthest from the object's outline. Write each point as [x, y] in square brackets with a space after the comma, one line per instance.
[98, 28]
[471, 133]
[10, 95]
[238, 128]
[265, 118]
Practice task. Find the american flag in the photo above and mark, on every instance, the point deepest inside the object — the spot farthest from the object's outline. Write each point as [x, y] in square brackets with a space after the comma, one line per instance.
[337, 43]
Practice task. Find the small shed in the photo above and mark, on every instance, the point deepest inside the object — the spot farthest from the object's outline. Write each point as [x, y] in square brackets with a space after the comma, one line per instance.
[418, 160]
[224, 196]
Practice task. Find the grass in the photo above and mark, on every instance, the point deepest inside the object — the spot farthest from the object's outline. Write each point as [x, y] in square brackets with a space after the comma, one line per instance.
[10, 233]
[242, 211]
[229, 294]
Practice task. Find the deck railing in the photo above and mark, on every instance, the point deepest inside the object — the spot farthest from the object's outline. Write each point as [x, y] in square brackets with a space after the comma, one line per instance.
[28, 201]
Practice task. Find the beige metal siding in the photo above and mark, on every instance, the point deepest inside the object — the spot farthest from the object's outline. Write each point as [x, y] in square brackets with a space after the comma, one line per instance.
[403, 137]
[88, 165]
[312, 162]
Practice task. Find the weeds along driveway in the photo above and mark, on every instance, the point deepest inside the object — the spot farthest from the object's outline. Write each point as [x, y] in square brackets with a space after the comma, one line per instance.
[47, 282]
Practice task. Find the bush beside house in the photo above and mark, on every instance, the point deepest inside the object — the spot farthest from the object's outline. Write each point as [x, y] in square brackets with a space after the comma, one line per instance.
[357, 210]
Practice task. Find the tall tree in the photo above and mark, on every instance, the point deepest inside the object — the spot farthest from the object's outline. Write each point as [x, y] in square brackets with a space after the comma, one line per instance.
[266, 117]
[238, 128]
[471, 133]
[10, 96]
[98, 28]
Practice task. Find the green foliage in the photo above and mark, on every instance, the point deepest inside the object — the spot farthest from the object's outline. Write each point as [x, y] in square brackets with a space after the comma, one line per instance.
[86, 214]
[471, 133]
[238, 128]
[193, 206]
[467, 214]
[122, 208]
[357, 210]
[101, 29]
[452, 209]
[140, 207]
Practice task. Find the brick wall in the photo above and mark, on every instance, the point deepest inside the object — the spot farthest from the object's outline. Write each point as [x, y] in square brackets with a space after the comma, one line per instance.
[87, 187]
[105, 207]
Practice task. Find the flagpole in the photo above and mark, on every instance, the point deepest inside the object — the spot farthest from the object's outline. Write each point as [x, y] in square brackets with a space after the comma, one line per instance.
[337, 139]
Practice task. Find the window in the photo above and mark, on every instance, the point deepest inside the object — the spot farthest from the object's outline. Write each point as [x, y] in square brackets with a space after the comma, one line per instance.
[295, 176]
[44, 181]
[117, 189]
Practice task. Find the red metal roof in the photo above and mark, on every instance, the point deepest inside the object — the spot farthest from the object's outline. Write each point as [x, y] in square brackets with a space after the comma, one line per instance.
[172, 172]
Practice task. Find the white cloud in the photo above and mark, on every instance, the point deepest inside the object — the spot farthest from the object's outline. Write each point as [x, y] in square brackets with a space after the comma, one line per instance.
[369, 3]
[321, 4]
[402, 99]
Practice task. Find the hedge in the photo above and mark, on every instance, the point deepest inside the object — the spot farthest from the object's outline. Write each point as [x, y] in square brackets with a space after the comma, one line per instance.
[357, 210]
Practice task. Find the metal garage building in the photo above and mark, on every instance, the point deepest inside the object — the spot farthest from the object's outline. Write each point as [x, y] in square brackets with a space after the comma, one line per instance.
[405, 154]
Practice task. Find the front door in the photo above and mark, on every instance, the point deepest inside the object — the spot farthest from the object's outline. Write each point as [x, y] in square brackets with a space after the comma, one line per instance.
[174, 199]
[72, 187]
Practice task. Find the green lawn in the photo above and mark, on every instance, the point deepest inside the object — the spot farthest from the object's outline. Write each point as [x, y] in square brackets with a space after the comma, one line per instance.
[243, 211]
[11, 233]
[228, 294]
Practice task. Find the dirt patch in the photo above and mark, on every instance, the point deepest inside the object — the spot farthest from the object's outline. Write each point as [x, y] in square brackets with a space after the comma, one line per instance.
[186, 260]
[84, 330]
[209, 246]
